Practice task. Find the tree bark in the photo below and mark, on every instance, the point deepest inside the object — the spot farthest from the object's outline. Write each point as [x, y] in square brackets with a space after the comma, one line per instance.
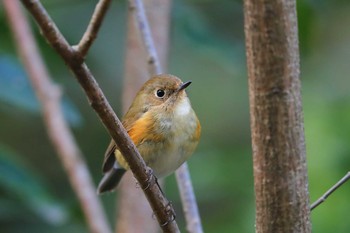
[132, 205]
[280, 171]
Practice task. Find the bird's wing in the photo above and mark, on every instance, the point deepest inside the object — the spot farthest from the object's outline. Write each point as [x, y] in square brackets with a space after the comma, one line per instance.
[109, 158]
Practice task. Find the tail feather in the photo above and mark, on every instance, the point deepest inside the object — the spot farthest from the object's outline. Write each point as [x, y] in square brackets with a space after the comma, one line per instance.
[110, 180]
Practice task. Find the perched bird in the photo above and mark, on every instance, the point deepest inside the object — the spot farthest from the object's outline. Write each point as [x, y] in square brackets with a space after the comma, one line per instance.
[162, 125]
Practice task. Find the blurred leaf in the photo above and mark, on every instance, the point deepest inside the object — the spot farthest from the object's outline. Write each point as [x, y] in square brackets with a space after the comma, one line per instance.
[21, 185]
[306, 23]
[196, 25]
[9, 209]
[15, 90]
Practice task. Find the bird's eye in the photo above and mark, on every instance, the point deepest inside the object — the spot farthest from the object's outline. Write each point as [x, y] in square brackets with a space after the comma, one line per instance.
[160, 93]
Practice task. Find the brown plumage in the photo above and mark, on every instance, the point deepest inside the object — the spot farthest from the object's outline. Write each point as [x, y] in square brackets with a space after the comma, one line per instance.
[162, 125]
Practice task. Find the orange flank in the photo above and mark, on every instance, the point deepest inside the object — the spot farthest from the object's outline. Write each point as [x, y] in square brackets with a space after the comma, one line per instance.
[143, 129]
[197, 134]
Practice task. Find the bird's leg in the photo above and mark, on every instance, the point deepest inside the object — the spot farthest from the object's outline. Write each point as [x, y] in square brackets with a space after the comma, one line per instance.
[151, 179]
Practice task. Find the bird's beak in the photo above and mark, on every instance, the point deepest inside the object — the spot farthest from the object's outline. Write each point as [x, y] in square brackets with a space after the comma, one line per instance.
[184, 85]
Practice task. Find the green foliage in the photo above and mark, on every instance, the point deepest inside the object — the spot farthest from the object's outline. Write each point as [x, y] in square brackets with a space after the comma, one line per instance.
[16, 91]
[22, 189]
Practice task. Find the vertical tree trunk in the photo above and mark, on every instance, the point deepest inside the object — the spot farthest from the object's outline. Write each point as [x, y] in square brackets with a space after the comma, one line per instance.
[134, 213]
[280, 171]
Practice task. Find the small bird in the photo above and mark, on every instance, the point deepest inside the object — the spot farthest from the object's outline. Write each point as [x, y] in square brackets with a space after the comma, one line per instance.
[162, 125]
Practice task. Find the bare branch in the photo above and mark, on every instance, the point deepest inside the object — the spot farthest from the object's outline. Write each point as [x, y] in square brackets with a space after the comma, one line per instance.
[133, 208]
[132, 204]
[160, 205]
[93, 27]
[143, 25]
[330, 191]
[62, 138]
[184, 183]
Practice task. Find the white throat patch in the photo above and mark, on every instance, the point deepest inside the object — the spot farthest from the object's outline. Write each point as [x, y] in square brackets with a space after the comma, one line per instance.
[183, 108]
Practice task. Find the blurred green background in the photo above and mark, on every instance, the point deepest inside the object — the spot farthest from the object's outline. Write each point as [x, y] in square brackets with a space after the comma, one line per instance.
[207, 46]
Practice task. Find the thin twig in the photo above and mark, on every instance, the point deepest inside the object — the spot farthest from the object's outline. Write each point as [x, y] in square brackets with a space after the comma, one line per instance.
[330, 191]
[62, 138]
[132, 204]
[184, 183]
[183, 178]
[99, 103]
[93, 27]
[143, 25]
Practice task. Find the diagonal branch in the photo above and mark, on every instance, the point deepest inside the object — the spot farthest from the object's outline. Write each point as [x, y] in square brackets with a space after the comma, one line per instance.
[93, 27]
[182, 174]
[330, 191]
[62, 138]
[99, 103]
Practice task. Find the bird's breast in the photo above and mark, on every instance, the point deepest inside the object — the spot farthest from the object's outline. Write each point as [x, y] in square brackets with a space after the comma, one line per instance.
[179, 131]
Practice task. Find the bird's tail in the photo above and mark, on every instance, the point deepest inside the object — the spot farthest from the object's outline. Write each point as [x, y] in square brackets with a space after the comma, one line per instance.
[110, 180]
